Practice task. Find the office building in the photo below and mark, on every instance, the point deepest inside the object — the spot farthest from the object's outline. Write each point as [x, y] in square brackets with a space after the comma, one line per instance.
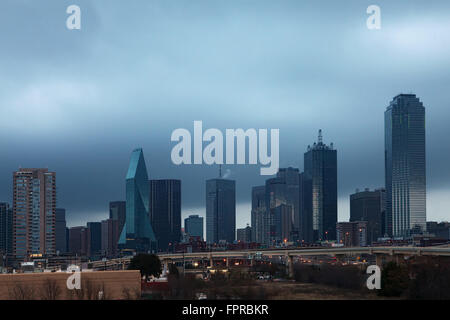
[439, 230]
[282, 223]
[244, 234]
[220, 210]
[320, 190]
[79, 241]
[352, 234]
[193, 226]
[6, 229]
[405, 166]
[60, 230]
[369, 206]
[258, 215]
[110, 237]
[118, 211]
[94, 239]
[165, 212]
[34, 209]
[137, 234]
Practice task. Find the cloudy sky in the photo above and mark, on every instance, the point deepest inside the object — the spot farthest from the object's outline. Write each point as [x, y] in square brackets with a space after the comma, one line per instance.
[79, 101]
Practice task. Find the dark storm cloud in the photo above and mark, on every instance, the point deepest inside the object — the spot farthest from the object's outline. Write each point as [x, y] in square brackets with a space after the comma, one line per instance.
[80, 101]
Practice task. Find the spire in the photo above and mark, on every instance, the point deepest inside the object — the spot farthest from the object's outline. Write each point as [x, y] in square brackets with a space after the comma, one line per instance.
[320, 137]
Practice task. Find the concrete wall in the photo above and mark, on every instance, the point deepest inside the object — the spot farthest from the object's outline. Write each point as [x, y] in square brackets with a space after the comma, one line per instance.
[115, 285]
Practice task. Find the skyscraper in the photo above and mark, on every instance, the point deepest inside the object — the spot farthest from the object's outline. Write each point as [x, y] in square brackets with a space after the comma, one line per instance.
[282, 190]
[244, 234]
[220, 210]
[165, 212]
[320, 190]
[369, 206]
[34, 209]
[94, 238]
[118, 211]
[193, 226]
[259, 216]
[110, 236]
[6, 229]
[405, 169]
[137, 234]
[60, 230]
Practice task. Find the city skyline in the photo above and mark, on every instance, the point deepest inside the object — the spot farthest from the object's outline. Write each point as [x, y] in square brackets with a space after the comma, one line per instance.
[272, 64]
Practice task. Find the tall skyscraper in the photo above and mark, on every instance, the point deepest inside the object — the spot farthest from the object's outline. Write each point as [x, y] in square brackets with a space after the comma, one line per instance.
[320, 190]
[405, 169]
[118, 211]
[137, 234]
[259, 216]
[165, 212]
[60, 230]
[282, 223]
[6, 229]
[34, 209]
[220, 210]
[193, 226]
[369, 206]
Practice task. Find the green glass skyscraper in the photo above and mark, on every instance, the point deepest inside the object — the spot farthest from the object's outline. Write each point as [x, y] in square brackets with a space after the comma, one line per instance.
[137, 234]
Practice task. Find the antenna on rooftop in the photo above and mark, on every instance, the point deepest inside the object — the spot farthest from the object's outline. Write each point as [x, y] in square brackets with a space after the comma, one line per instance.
[320, 137]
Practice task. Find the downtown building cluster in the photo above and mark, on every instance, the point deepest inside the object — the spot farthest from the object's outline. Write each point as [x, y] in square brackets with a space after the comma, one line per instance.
[295, 207]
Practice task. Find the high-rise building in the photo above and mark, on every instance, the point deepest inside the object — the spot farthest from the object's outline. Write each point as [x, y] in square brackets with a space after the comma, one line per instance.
[110, 237]
[220, 210]
[282, 190]
[282, 223]
[320, 190]
[137, 234]
[405, 169]
[79, 241]
[60, 230]
[244, 234]
[6, 229]
[259, 216]
[193, 226]
[369, 206]
[165, 212]
[34, 209]
[94, 239]
[118, 211]
[352, 234]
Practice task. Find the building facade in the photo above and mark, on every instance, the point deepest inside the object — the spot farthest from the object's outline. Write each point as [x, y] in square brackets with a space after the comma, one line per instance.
[259, 215]
[220, 210]
[320, 190]
[110, 237]
[193, 226]
[118, 211]
[60, 230]
[405, 166]
[137, 234]
[352, 234]
[369, 206]
[165, 212]
[34, 210]
[6, 229]
[244, 234]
